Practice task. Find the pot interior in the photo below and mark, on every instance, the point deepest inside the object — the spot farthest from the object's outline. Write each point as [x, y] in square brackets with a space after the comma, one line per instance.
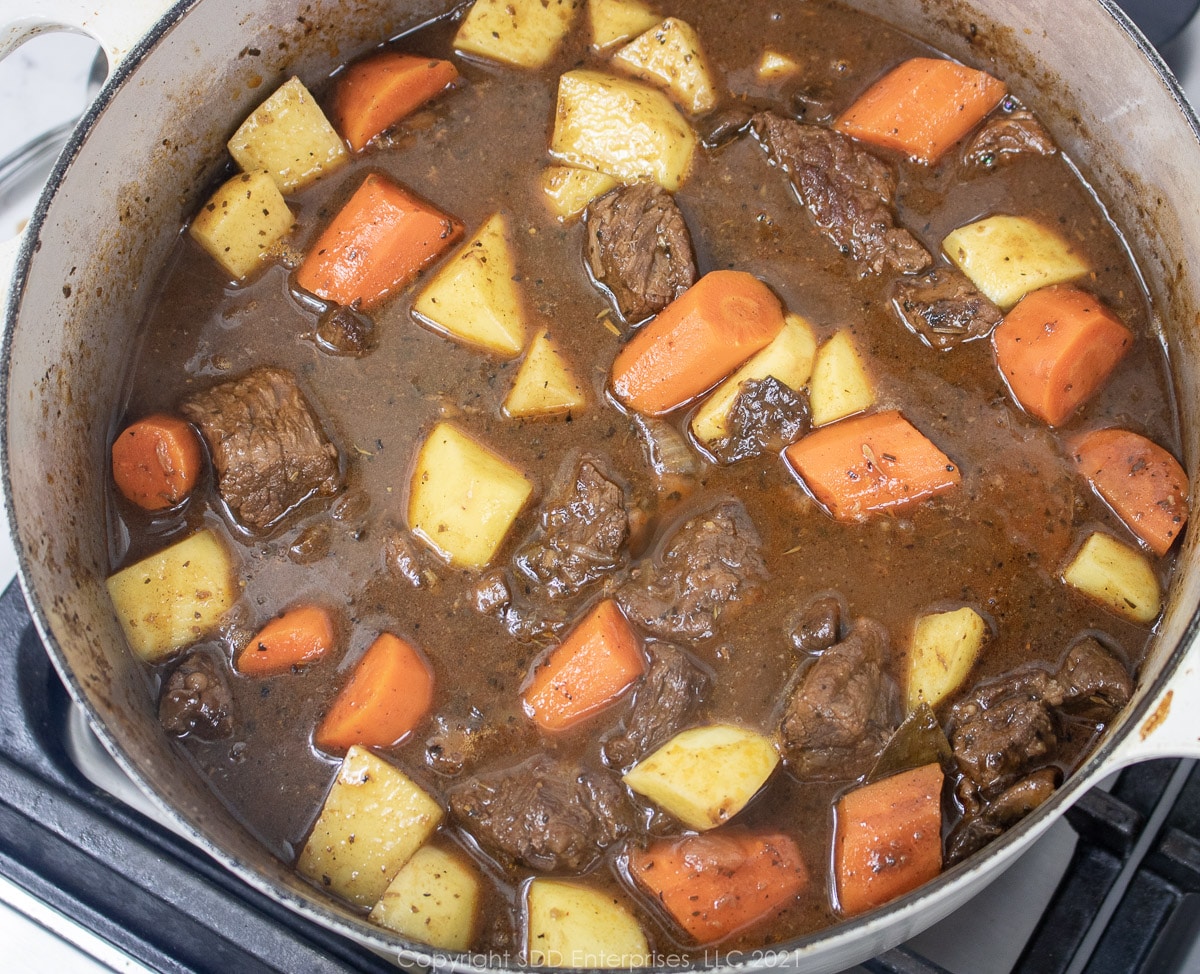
[153, 146]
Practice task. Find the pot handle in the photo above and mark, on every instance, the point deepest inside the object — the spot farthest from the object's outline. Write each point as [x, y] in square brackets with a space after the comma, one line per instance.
[1170, 727]
[117, 27]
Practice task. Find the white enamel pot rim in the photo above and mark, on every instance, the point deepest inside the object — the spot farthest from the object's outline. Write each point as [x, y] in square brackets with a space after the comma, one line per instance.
[68, 331]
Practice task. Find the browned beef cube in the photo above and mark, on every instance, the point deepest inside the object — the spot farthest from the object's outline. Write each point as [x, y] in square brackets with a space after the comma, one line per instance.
[765, 417]
[944, 308]
[543, 814]
[197, 700]
[639, 249]
[847, 190]
[1007, 135]
[841, 713]
[269, 452]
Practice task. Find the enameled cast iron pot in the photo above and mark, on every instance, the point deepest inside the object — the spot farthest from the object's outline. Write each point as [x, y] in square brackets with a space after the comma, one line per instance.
[80, 276]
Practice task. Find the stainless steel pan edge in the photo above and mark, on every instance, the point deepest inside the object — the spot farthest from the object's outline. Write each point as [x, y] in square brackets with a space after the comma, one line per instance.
[135, 169]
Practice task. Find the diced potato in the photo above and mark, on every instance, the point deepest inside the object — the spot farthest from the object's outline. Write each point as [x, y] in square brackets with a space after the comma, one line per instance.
[944, 647]
[621, 127]
[464, 497]
[175, 597]
[706, 775]
[545, 385]
[242, 221]
[569, 190]
[669, 55]
[772, 66]
[289, 136]
[434, 900]
[473, 297]
[1117, 576]
[373, 820]
[571, 925]
[614, 21]
[1006, 257]
[840, 385]
[789, 358]
[523, 33]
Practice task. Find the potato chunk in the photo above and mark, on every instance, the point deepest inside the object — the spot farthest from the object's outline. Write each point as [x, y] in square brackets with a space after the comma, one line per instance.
[789, 358]
[572, 925]
[669, 55]
[546, 385]
[434, 900]
[614, 21]
[464, 497]
[773, 66]
[706, 775]
[175, 597]
[1006, 257]
[1117, 576]
[473, 297]
[241, 222]
[621, 127]
[840, 385]
[522, 33]
[568, 190]
[289, 136]
[945, 645]
[373, 820]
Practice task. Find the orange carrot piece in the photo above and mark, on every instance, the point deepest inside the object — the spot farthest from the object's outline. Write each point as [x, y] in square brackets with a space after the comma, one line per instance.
[1056, 348]
[868, 464]
[1143, 484]
[156, 461]
[597, 662]
[376, 93]
[378, 242]
[887, 838]
[389, 692]
[298, 637]
[696, 340]
[922, 107]
[718, 883]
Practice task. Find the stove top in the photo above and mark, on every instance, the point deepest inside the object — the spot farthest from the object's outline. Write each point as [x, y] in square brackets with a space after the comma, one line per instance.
[99, 884]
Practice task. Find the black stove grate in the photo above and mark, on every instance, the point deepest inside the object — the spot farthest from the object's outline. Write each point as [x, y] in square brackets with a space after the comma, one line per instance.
[1129, 903]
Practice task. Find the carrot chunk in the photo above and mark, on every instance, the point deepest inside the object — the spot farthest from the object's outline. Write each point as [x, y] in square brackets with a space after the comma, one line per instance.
[156, 461]
[696, 340]
[376, 93]
[888, 838]
[1056, 348]
[868, 464]
[298, 637]
[378, 242]
[922, 107]
[389, 692]
[597, 662]
[717, 884]
[1143, 484]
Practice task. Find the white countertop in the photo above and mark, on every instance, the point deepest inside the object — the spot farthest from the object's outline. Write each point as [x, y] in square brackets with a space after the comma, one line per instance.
[41, 85]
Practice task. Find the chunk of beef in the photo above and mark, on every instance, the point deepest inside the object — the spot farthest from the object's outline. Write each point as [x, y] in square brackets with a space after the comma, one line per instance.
[818, 627]
[344, 331]
[1007, 135]
[668, 694]
[465, 737]
[583, 531]
[986, 821]
[765, 417]
[1005, 729]
[543, 814]
[847, 190]
[841, 713]
[638, 248]
[269, 452]
[196, 699]
[943, 308]
[725, 125]
[403, 559]
[711, 564]
[1094, 682]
